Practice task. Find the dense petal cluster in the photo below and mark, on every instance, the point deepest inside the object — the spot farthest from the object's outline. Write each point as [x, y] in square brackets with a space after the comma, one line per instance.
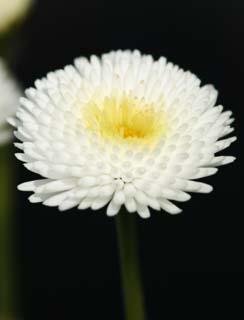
[11, 12]
[123, 129]
[9, 100]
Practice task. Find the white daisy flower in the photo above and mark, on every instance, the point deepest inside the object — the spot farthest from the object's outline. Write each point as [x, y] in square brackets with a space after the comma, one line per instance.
[12, 11]
[121, 130]
[9, 100]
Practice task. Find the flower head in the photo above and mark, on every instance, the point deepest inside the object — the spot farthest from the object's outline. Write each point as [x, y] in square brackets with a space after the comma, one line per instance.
[11, 12]
[121, 130]
[9, 99]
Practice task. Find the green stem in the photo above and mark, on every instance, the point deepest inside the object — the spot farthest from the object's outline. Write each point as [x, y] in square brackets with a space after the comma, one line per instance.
[130, 269]
[6, 245]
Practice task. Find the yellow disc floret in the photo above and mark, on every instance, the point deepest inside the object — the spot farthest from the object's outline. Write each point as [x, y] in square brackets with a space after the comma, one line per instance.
[124, 117]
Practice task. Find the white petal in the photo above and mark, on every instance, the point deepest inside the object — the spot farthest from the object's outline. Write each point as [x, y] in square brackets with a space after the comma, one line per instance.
[169, 207]
[68, 204]
[131, 205]
[119, 198]
[56, 186]
[32, 185]
[113, 209]
[100, 203]
[57, 199]
[143, 211]
[177, 195]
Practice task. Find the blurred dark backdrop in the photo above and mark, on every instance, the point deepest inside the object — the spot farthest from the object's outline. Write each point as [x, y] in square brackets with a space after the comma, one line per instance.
[191, 262]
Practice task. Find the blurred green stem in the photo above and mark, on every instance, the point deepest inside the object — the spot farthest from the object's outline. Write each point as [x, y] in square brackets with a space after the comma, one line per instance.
[130, 267]
[6, 233]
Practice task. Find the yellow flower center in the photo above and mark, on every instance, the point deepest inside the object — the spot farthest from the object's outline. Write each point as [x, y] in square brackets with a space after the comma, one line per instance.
[125, 117]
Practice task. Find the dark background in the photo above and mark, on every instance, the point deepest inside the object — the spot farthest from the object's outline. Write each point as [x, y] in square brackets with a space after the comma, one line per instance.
[192, 263]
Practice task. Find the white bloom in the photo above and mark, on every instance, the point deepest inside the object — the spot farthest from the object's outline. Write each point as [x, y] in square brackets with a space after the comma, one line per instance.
[11, 11]
[120, 130]
[9, 100]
